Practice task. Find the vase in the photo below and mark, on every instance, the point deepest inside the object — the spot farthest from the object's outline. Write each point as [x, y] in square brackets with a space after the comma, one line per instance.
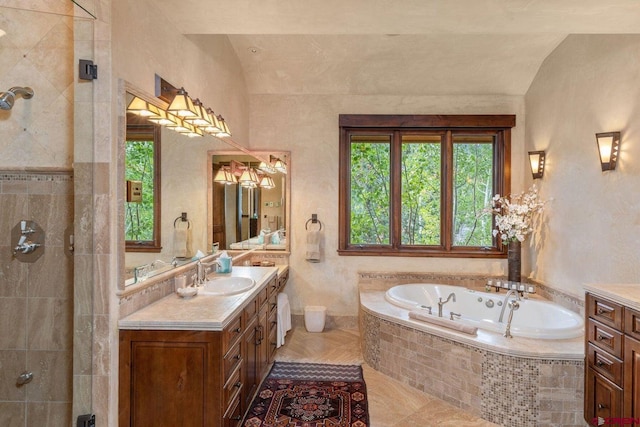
[514, 261]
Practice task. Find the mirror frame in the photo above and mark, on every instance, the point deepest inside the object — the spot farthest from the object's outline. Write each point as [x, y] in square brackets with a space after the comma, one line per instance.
[260, 156]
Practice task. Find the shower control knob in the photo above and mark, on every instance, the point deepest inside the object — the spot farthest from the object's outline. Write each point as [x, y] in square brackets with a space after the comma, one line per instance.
[24, 378]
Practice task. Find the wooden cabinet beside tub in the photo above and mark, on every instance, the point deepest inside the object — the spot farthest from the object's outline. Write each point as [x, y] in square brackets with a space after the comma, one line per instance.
[197, 378]
[612, 365]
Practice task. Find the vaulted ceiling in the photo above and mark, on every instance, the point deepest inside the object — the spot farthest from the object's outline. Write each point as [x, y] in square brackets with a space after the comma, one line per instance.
[399, 47]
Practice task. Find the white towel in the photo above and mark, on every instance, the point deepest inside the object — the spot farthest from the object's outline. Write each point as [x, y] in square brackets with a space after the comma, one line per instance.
[284, 318]
[182, 240]
[313, 246]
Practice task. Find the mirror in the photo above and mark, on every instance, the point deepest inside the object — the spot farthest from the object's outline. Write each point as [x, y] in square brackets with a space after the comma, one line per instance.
[248, 216]
[186, 176]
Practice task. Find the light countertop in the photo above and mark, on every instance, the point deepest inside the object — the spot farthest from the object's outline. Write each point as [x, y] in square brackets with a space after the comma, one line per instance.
[624, 294]
[202, 312]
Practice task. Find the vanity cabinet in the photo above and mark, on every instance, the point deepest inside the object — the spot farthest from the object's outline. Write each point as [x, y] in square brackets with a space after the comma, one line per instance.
[612, 365]
[197, 378]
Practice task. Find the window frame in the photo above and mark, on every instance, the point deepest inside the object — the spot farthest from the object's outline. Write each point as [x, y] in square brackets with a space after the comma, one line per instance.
[139, 129]
[447, 126]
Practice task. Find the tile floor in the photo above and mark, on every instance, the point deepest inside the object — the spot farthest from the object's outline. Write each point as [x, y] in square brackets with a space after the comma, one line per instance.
[391, 403]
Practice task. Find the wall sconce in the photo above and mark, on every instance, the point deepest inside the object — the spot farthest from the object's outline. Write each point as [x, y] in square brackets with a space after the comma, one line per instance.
[536, 159]
[278, 164]
[608, 148]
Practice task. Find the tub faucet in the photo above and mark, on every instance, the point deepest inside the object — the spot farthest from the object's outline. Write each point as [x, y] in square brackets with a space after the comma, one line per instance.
[513, 306]
[506, 300]
[441, 303]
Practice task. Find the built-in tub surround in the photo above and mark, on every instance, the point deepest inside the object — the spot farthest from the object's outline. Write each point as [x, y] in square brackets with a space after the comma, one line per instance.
[508, 381]
[534, 318]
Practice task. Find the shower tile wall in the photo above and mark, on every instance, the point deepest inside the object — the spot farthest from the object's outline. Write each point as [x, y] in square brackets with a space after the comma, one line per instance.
[36, 302]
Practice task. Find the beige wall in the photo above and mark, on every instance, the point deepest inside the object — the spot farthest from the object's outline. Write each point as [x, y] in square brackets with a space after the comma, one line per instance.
[591, 229]
[308, 127]
[145, 44]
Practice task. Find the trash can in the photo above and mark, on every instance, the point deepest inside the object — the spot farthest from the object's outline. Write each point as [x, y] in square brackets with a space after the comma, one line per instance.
[314, 317]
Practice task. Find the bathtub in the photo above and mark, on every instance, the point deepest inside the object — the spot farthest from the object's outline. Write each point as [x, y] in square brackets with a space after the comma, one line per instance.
[534, 319]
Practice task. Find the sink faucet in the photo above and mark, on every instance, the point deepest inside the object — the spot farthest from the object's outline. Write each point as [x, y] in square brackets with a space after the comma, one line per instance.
[441, 303]
[506, 300]
[200, 272]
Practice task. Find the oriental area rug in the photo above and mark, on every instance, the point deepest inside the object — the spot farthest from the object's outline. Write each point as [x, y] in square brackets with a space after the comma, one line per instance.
[310, 395]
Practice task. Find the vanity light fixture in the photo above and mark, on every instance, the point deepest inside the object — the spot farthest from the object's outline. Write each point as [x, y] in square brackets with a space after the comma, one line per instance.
[140, 107]
[202, 119]
[164, 118]
[224, 176]
[182, 105]
[266, 168]
[224, 128]
[249, 178]
[267, 182]
[178, 126]
[536, 159]
[278, 164]
[214, 127]
[608, 148]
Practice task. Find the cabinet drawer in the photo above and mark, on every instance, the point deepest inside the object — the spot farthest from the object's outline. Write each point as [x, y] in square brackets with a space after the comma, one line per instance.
[282, 279]
[231, 360]
[233, 415]
[231, 389]
[273, 303]
[605, 364]
[604, 311]
[605, 338]
[273, 287]
[232, 333]
[632, 323]
[262, 296]
[602, 398]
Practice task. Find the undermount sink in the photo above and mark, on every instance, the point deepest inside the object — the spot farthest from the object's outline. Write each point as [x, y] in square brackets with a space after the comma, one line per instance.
[226, 286]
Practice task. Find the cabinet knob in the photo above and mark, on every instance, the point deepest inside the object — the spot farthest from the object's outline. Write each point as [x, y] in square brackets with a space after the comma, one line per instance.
[603, 311]
[601, 338]
[237, 330]
[601, 406]
[236, 418]
[238, 384]
[237, 357]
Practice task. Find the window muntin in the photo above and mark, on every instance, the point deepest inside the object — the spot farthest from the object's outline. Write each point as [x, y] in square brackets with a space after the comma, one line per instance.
[461, 162]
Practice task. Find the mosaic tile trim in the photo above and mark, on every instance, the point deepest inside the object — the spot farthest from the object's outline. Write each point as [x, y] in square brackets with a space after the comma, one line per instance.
[507, 390]
[62, 175]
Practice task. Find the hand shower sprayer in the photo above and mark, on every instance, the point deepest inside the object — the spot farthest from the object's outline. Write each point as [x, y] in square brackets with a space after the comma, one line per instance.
[8, 98]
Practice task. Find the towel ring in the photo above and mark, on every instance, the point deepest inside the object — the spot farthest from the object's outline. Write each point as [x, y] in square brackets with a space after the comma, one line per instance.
[188, 221]
[314, 221]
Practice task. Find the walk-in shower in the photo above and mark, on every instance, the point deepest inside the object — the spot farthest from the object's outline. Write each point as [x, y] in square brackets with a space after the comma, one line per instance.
[8, 98]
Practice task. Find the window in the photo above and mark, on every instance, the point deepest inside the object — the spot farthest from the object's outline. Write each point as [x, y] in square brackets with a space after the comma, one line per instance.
[142, 165]
[417, 185]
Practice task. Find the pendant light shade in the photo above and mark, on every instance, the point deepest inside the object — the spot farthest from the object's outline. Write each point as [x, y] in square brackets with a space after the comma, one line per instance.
[140, 107]
[182, 105]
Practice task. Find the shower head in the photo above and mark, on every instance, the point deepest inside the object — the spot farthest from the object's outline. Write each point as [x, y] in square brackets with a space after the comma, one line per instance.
[9, 97]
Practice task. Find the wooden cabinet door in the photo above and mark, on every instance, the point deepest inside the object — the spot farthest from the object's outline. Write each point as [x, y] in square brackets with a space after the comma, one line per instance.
[631, 377]
[157, 367]
[603, 399]
[251, 357]
[263, 341]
